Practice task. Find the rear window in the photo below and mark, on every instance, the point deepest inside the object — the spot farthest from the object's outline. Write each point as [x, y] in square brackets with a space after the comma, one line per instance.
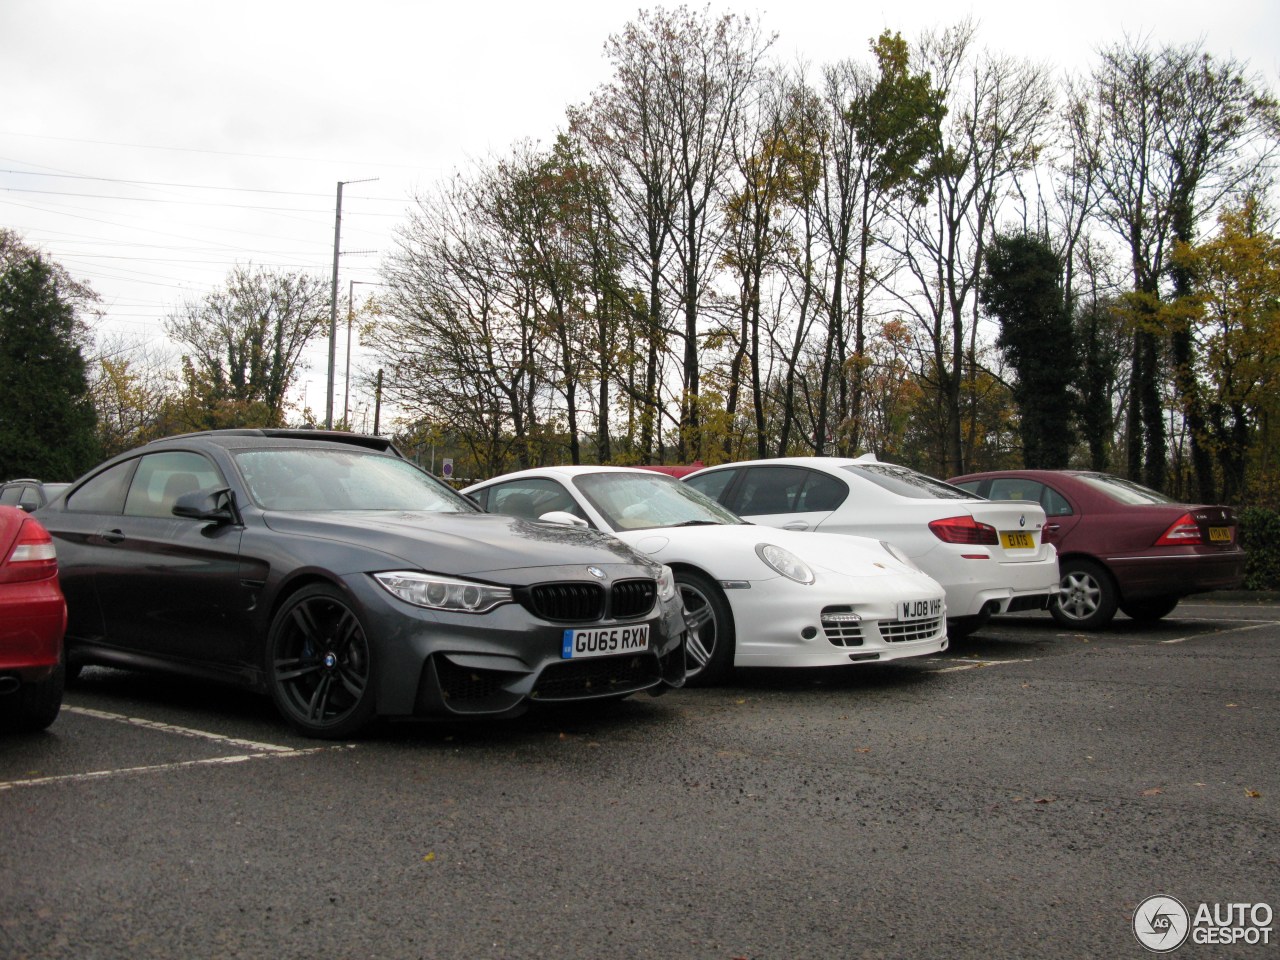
[905, 482]
[1123, 491]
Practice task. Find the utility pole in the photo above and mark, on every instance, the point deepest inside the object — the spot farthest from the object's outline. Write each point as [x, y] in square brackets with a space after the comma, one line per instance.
[346, 389]
[333, 301]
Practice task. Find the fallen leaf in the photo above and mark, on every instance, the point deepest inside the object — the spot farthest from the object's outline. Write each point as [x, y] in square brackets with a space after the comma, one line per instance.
[428, 858]
[862, 749]
[1252, 794]
[1045, 799]
[1154, 791]
[1233, 704]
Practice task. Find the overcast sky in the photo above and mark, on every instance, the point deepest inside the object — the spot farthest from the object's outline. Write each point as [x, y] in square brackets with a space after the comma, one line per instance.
[151, 146]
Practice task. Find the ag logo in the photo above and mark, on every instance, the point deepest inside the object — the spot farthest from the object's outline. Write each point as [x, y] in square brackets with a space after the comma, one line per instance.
[1161, 923]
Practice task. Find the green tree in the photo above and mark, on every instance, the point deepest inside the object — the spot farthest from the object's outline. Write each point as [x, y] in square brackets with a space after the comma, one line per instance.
[243, 345]
[1022, 288]
[46, 414]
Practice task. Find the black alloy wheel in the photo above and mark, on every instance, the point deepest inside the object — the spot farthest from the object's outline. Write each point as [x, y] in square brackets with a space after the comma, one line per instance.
[319, 664]
[710, 641]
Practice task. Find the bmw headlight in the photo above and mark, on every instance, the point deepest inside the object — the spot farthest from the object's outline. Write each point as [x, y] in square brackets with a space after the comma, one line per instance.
[666, 583]
[443, 593]
[898, 554]
[784, 562]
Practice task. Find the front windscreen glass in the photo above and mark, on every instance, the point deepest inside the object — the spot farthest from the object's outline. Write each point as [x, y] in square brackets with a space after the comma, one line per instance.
[297, 478]
[907, 483]
[636, 501]
[1125, 491]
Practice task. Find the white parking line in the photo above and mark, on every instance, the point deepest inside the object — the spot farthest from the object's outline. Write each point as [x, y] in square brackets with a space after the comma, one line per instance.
[183, 731]
[259, 751]
[974, 664]
[1252, 625]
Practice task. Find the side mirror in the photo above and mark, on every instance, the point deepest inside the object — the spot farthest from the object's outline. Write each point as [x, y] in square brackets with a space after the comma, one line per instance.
[214, 506]
[563, 517]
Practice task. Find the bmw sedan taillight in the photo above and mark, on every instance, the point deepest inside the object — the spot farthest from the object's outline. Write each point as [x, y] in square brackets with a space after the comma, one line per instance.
[1182, 532]
[33, 556]
[965, 530]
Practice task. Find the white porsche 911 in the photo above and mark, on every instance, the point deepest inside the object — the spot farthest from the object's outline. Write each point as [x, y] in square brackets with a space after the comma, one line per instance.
[755, 596]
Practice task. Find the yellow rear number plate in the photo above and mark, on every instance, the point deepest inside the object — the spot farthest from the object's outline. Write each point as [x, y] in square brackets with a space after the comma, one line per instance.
[1219, 534]
[1017, 540]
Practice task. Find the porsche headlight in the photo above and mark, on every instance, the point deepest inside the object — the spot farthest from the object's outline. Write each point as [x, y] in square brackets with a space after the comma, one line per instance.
[784, 562]
[443, 593]
[666, 583]
[898, 554]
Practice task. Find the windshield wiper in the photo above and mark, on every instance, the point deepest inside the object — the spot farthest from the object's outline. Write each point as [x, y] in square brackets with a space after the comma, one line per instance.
[699, 523]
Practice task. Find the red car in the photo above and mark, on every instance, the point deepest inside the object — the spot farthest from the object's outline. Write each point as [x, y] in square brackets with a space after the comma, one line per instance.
[1121, 545]
[33, 616]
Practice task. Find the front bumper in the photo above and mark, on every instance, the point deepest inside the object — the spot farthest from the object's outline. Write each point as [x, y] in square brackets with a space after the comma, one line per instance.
[833, 622]
[437, 664]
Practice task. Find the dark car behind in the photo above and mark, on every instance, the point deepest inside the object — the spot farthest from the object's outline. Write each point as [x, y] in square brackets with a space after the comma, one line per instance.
[1122, 546]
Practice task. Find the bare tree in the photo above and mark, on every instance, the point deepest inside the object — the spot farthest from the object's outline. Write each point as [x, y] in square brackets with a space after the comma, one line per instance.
[999, 112]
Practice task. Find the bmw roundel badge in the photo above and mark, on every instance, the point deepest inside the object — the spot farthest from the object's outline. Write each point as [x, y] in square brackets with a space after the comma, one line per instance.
[596, 572]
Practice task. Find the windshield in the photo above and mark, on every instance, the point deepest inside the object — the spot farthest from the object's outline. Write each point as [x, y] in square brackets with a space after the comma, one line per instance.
[907, 483]
[636, 501]
[1125, 491]
[296, 478]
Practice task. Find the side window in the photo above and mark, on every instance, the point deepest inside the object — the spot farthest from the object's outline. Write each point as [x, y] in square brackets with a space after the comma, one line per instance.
[768, 490]
[821, 493]
[1015, 488]
[1054, 503]
[9, 495]
[970, 486]
[481, 497]
[163, 477]
[105, 492]
[531, 498]
[30, 499]
[712, 484]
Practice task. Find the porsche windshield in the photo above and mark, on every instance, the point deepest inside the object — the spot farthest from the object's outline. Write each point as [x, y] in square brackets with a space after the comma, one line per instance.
[299, 478]
[634, 501]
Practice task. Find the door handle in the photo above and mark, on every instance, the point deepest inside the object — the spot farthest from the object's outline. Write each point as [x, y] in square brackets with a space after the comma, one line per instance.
[795, 525]
[113, 536]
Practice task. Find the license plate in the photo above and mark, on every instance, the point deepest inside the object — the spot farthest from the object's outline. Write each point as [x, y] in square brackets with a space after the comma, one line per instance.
[1017, 540]
[1219, 534]
[919, 609]
[604, 641]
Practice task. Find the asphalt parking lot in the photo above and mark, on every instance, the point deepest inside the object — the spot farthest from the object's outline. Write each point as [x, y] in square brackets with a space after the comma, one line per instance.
[1017, 796]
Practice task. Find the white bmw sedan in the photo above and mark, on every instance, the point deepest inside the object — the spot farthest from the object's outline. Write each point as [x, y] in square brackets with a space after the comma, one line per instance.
[989, 556]
[754, 596]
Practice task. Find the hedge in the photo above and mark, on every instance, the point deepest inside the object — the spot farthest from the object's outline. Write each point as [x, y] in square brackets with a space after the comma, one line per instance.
[1260, 535]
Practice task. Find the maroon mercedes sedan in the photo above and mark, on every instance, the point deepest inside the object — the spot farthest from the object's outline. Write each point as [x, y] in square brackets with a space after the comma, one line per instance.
[1121, 545]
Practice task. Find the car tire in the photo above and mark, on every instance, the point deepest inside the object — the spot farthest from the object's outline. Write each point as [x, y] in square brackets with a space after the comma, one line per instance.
[36, 705]
[1087, 596]
[961, 628]
[1149, 610]
[320, 665]
[709, 648]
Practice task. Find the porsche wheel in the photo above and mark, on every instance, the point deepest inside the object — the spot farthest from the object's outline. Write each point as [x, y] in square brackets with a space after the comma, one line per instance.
[710, 641]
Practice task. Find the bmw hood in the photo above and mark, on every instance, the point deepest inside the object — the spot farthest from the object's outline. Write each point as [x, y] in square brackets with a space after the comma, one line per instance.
[476, 544]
